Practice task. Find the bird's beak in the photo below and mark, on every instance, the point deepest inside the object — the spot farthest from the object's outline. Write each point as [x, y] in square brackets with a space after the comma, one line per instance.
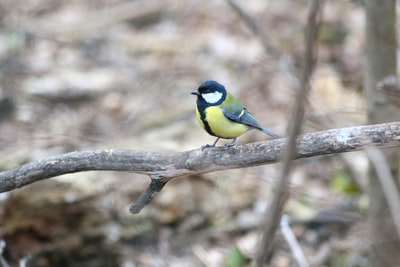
[195, 92]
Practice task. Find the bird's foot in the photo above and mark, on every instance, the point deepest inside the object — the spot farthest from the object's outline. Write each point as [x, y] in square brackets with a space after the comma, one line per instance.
[207, 146]
[231, 144]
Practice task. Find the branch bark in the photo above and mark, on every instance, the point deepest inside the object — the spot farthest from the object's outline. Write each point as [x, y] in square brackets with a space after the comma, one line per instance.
[163, 167]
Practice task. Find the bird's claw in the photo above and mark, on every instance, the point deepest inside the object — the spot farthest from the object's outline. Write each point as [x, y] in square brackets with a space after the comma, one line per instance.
[229, 145]
[206, 146]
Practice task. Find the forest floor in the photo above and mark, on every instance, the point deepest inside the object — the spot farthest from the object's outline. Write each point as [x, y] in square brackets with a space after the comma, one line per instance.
[83, 75]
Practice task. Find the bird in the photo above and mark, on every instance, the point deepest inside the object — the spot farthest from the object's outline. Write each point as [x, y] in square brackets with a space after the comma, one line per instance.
[222, 115]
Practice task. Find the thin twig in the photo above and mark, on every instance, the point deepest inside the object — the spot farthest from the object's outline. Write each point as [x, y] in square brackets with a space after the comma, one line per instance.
[24, 261]
[255, 26]
[292, 242]
[273, 214]
[156, 185]
[386, 179]
[3, 262]
[390, 85]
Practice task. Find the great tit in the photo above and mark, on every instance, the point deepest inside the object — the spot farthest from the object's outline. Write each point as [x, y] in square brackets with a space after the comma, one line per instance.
[222, 115]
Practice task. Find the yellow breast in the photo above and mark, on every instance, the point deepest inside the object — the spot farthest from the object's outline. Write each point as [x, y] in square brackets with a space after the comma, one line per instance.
[220, 125]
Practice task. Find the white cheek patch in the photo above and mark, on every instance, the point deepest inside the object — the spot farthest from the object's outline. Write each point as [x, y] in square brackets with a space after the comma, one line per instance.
[212, 98]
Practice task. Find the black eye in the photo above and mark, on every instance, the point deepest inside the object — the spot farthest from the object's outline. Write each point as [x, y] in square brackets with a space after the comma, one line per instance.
[205, 90]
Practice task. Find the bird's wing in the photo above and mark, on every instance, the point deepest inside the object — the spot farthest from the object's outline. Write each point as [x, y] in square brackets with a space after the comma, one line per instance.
[235, 111]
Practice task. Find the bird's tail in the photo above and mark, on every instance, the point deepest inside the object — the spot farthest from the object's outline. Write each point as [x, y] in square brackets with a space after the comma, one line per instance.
[265, 130]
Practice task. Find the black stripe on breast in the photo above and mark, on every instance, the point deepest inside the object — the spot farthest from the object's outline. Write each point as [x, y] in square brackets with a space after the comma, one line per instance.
[202, 111]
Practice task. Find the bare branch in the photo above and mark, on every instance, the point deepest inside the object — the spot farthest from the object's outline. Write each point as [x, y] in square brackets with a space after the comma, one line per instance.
[273, 215]
[293, 242]
[255, 26]
[387, 181]
[155, 186]
[168, 166]
[390, 85]
[3, 262]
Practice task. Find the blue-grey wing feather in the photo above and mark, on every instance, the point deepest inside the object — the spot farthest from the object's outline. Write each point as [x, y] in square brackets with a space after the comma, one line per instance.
[245, 117]
[242, 116]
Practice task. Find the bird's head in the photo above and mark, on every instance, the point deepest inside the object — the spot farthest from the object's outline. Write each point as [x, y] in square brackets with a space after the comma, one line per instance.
[210, 92]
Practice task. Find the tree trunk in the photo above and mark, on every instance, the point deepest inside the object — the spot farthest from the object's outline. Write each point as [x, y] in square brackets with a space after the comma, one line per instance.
[380, 47]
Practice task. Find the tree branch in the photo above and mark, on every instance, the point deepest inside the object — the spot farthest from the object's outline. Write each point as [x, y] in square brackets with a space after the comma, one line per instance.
[255, 26]
[167, 166]
[390, 85]
[272, 216]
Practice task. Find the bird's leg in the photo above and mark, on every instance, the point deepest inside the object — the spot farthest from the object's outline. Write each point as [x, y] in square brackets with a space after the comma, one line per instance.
[215, 142]
[231, 143]
[213, 145]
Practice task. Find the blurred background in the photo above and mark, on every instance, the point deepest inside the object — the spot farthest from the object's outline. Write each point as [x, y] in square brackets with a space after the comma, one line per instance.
[117, 74]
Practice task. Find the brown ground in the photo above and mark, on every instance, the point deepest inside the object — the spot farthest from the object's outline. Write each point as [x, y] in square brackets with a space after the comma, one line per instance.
[78, 75]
